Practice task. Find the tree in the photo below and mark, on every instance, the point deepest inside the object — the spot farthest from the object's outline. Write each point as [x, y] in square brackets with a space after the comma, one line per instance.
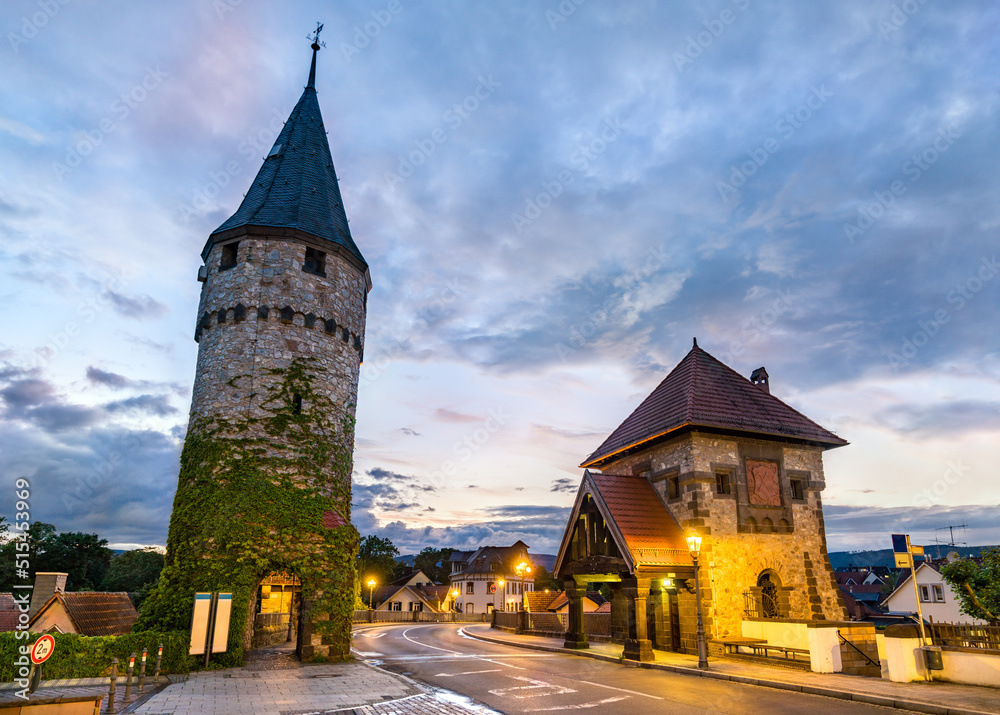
[977, 585]
[545, 580]
[36, 537]
[85, 557]
[434, 563]
[376, 560]
[133, 570]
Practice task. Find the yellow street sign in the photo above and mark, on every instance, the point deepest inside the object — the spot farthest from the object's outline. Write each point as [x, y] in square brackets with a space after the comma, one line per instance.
[903, 561]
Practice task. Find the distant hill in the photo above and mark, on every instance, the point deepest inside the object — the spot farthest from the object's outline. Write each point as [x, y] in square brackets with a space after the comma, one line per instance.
[883, 557]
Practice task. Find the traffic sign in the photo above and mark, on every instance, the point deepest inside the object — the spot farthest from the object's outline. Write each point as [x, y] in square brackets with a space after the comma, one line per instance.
[903, 561]
[43, 648]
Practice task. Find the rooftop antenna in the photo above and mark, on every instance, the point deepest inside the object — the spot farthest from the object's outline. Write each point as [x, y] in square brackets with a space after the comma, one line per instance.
[951, 533]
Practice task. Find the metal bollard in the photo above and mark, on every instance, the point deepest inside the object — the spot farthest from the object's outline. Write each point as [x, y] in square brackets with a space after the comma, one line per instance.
[142, 672]
[111, 690]
[159, 659]
[128, 680]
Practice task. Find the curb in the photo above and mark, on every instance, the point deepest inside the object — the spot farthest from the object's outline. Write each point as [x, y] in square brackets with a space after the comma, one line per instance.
[887, 702]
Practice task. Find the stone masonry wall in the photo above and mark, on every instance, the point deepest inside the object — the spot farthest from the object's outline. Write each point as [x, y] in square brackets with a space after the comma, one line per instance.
[235, 354]
[734, 551]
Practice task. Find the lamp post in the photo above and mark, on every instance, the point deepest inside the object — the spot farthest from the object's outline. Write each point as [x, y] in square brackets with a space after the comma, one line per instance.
[694, 547]
[454, 600]
[371, 589]
[499, 589]
[522, 569]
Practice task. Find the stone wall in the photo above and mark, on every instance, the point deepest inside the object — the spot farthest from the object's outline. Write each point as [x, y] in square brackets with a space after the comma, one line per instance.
[242, 333]
[738, 547]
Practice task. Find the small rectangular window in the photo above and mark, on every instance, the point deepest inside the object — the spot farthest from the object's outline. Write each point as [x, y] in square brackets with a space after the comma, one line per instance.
[315, 262]
[722, 485]
[939, 593]
[798, 489]
[229, 252]
[470, 588]
[925, 595]
[673, 487]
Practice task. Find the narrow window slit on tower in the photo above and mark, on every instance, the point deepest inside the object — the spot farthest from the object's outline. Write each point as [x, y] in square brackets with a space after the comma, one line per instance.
[345, 334]
[310, 320]
[228, 256]
[222, 316]
[297, 404]
[262, 312]
[315, 262]
[287, 314]
[240, 313]
[330, 326]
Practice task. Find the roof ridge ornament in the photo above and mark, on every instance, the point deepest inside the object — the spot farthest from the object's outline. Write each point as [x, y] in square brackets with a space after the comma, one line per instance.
[316, 45]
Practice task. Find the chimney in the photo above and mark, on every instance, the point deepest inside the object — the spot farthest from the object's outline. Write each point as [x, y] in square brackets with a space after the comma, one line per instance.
[46, 584]
[759, 378]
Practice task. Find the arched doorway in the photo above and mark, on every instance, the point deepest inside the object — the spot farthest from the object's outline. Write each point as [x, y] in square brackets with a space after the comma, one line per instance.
[278, 611]
[768, 583]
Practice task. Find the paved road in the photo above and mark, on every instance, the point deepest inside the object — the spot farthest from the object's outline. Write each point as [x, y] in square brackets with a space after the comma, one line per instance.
[514, 680]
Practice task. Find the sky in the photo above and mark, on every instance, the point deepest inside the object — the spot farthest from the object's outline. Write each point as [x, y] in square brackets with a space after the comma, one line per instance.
[554, 199]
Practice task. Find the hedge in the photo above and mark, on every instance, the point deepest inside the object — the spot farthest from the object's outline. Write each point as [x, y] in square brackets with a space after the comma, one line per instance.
[79, 656]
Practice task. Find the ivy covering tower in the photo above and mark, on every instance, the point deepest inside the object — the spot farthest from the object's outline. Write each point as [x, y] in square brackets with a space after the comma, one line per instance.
[265, 479]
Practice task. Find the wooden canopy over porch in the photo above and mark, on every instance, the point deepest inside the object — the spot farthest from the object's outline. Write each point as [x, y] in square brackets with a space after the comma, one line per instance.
[621, 532]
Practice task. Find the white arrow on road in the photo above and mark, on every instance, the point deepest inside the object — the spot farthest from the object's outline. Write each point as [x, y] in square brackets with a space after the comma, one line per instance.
[470, 672]
[581, 706]
[535, 685]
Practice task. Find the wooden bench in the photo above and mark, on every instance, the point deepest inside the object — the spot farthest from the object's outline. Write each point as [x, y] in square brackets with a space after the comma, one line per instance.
[733, 645]
[762, 650]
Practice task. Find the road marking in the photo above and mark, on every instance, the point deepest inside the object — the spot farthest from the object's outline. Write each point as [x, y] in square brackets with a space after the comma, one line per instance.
[468, 672]
[535, 685]
[506, 665]
[581, 706]
[372, 635]
[468, 656]
[366, 654]
[622, 690]
[454, 652]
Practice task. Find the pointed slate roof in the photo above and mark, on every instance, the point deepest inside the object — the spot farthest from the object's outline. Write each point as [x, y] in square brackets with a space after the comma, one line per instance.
[703, 392]
[296, 188]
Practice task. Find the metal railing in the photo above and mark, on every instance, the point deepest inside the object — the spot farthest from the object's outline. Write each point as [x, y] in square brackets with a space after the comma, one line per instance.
[762, 605]
[863, 654]
[964, 635]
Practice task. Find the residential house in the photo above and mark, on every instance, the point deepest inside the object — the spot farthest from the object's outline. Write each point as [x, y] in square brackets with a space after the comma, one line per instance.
[87, 613]
[937, 599]
[477, 576]
[414, 591]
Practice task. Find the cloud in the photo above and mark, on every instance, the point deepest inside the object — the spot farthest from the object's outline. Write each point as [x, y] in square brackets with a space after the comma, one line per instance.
[854, 528]
[565, 485]
[158, 405]
[411, 432]
[108, 379]
[942, 420]
[450, 416]
[139, 307]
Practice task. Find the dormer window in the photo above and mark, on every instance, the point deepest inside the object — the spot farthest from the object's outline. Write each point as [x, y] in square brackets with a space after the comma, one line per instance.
[315, 262]
[228, 256]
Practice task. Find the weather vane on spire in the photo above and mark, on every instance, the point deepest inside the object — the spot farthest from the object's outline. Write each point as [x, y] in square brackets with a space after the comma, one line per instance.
[316, 44]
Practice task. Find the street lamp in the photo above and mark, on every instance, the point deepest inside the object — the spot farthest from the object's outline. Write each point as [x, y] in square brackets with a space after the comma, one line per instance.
[522, 569]
[499, 589]
[694, 547]
[454, 599]
[371, 588]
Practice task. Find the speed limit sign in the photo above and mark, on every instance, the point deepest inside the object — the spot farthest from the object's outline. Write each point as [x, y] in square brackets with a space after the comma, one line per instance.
[43, 648]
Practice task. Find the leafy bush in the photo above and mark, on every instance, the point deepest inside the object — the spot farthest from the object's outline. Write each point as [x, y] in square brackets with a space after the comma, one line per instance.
[78, 656]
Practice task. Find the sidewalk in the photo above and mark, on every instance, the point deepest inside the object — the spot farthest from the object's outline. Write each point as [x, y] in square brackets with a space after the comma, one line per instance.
[274, 682]
[936, 698]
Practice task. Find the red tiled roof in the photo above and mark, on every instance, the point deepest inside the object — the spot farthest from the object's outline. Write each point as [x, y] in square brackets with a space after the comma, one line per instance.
[558, 602]
[604, 607]
[702, 392]
[651, 533]
[95, 613]
[537, 601]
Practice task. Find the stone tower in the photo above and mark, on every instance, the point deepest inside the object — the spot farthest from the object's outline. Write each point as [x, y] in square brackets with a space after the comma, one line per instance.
[713, 453]
[265, 480]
